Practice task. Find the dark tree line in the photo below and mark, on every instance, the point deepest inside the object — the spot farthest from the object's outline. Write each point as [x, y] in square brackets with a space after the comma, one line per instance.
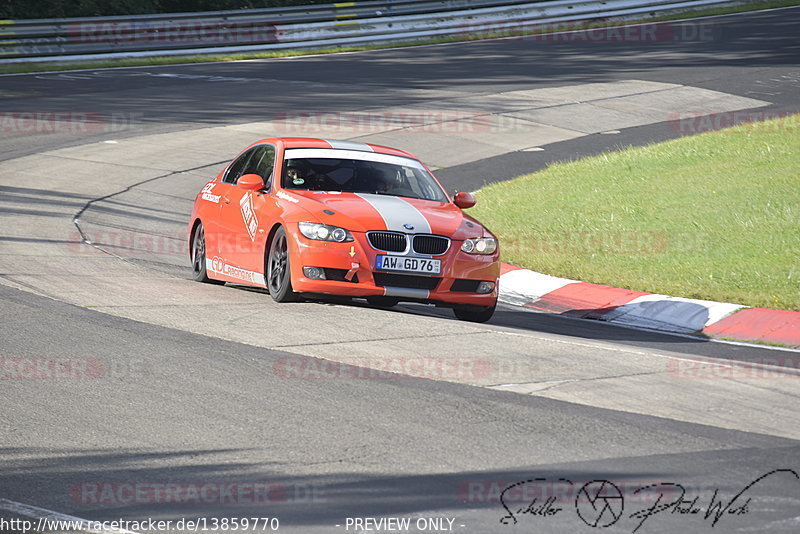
[45, 9]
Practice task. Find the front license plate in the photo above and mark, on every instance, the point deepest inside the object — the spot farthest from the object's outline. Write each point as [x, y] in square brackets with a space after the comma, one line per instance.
[408, 265]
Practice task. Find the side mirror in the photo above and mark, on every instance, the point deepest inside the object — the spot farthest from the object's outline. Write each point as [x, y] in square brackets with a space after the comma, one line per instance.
[464, 200]
[251, 182]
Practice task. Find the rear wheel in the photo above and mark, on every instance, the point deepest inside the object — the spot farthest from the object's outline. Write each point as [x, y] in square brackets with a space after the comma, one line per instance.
[198, 252]
[279, 279]
[474, 314]
[385, 302]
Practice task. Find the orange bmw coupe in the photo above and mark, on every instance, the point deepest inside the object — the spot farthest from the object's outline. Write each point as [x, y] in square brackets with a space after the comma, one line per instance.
[343, 218]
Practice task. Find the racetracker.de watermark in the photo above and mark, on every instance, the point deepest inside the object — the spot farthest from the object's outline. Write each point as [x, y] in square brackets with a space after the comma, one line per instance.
[587, 242]
[169, 32]
[67, 122]
[762, 368]
[399, 121]
[203, 493]
[593, 32]
[460, 369]
[133, 243]
[70, 368]
[693, 122]
[457, 369]
[43, 368]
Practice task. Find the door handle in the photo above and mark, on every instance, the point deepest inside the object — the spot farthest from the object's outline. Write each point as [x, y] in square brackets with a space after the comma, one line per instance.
[226, 200]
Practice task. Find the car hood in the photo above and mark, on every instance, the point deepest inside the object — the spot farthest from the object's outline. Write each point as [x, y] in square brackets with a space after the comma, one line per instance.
[363, 212]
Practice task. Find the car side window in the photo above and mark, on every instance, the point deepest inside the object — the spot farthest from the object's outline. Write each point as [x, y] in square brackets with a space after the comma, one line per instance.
[261, 163]
[235, 171]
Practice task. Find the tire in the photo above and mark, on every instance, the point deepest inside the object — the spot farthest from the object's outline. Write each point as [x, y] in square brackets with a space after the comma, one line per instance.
[278, 272]
[474, 314]
[384, 302]
[198, 256]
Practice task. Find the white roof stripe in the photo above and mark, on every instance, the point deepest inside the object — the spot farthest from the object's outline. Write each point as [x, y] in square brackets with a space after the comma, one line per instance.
[338, 153]
[349, 145]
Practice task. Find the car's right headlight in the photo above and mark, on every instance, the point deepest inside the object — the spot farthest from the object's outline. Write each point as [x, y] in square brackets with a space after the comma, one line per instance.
[479, 245]
[325, 232]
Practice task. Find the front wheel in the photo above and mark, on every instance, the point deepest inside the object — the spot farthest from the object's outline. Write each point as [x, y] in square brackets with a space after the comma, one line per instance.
[279, 278]
[198, 256]
[474, 314]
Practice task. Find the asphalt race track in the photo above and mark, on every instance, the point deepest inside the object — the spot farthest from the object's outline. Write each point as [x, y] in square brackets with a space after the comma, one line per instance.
[175, 400]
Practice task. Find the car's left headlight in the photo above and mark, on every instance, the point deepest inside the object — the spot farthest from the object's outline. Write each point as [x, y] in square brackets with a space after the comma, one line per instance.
[479, 245]
[325, 232]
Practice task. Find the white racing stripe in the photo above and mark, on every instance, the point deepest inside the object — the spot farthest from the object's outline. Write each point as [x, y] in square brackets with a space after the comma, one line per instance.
[397, 212]
[45, 519]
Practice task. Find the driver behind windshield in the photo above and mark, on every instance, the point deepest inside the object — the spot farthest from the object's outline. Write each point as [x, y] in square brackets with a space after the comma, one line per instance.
[359, 176]
[294, 175]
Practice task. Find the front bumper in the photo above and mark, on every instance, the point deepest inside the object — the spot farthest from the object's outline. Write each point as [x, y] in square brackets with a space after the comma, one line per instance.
[358, 257]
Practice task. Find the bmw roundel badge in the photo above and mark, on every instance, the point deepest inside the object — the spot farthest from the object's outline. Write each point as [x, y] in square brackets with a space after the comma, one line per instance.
[408, 226]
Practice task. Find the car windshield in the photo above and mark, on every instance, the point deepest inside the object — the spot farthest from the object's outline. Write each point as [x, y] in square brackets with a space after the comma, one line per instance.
[365, 173]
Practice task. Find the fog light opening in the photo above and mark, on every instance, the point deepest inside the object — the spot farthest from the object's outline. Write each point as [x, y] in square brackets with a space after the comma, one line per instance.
[485, 287]
[315, 273]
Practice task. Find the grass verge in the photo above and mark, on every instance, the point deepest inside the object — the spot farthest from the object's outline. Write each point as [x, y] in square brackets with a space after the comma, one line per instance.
[18, 68]
[713, 216]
